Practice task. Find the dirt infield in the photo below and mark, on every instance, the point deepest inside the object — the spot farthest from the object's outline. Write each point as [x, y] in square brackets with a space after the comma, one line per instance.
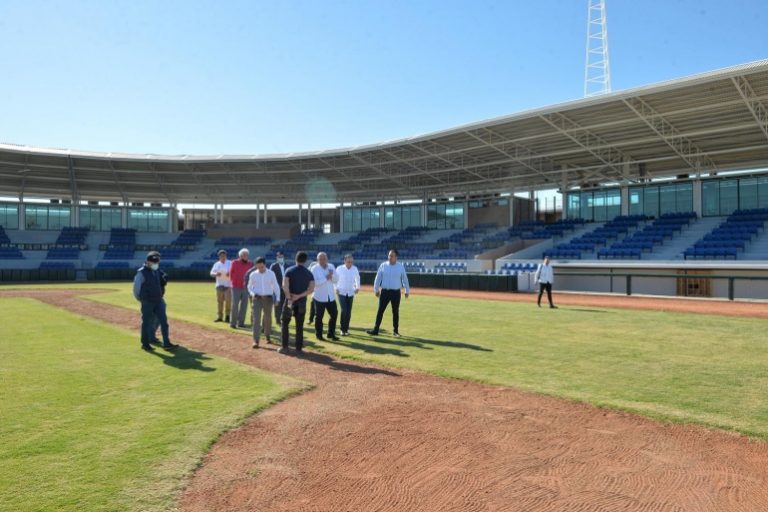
[371, 439]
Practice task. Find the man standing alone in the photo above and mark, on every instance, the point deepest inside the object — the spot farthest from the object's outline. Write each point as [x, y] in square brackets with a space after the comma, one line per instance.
[220, 271]
[545, 276]
[347, 287]
[390, 278]
[297, 284]
[148, 290]
[264, 290]
[239, 294]
[324, 296]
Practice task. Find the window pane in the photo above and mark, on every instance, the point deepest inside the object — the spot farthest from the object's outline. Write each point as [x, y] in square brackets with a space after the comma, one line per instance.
[612, 203]
[598, 206]
[36, 217]
[729, 196]
[748, 193]
[636, 201]
[667, 203]
[9, 216]
[573, 205]
[684, 197]
[762, 192]
[586, 206]
[651, 201]
[710, 198]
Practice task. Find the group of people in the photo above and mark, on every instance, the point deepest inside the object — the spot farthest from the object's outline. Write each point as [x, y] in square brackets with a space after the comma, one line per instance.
[284, 292]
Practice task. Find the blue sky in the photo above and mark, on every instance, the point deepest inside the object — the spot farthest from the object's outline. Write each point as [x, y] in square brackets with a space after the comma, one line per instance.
[253, 77]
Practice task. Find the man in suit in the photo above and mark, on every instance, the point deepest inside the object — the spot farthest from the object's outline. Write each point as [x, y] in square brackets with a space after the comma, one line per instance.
[278, 267]
[545, 276]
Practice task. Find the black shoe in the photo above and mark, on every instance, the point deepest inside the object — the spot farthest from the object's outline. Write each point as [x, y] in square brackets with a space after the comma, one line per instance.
[148, 348]
[334, 338]
[539, 304]
[282, 350]
[373, 332]
[218, 320]
[226, 318]
[155, 341]
[310, 322]
[241, 326]
[552, 307]
[170, 346]
[255, 344]
[299, 351]
[319, 337]
[233, 326]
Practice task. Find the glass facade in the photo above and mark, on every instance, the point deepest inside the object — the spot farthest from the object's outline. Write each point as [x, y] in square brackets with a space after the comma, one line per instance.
[445, 216]
[401, 217]
[655, 200]
[100, 218]
[599, 205]
[724, 196]
[43, 216]
[360, 219]
[148, 219]
[9, 216]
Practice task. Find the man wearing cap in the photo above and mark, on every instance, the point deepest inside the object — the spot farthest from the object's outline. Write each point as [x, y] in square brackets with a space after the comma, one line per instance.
[237, 272]
[148, 290]
[221, 271]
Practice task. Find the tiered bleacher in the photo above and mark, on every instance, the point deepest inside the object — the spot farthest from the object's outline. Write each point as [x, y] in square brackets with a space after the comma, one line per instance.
[513, 269]
[121, 246]
[7, 252]
[645, 239]
[451, 266]
[598, 237]
[730, 237]
[555, 229]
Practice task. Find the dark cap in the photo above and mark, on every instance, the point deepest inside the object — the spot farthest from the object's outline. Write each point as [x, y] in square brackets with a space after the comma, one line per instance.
[221, 251]
[153, 256]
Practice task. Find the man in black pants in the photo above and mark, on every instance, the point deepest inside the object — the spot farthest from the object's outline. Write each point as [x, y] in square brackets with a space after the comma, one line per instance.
[324, 296]
[390, 278]
[545, 276]
[297, 284]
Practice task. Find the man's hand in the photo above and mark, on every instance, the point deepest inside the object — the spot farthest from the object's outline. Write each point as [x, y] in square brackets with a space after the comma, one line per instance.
[377, 292]
[406, 294]
[218, 274]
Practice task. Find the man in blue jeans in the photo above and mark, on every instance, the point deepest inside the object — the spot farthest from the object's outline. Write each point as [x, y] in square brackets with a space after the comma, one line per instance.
[148, 290]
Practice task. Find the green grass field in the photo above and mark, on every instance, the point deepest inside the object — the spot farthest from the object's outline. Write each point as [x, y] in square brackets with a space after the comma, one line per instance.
[682, 367]
[89, 422]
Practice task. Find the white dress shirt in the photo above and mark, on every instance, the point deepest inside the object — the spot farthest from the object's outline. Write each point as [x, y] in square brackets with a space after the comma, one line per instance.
[324, 291]
[545, 274]
[263, 283]
[349, 280]
[224, 268]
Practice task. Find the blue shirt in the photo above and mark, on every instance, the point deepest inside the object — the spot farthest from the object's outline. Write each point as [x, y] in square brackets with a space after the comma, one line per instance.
[391, 277]
[299, 278]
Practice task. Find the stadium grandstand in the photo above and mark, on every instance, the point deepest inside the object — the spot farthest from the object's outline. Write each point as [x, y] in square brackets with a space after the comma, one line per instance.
[659, 182]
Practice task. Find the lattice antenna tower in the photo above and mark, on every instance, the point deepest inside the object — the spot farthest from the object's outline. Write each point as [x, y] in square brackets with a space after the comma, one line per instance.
[597, 73]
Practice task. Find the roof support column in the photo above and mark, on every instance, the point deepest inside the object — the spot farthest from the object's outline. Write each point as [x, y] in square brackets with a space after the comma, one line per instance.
[299, 215]
[697, 203]
[22, 213]
[258, 215]
[512, 207]
[265, 214]
[624, 200]
[124, 215]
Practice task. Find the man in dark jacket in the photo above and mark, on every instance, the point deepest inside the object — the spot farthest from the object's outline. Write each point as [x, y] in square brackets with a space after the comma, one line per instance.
[278, 267]
[148, 290]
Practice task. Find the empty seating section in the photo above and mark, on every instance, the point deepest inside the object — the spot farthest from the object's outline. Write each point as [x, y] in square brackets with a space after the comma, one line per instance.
[451, 266]
[4, 236]
[113, 264]
[731, 236]
[121, 246]
[65, 265]
[651, 235]
[598, 237]
[555, 229]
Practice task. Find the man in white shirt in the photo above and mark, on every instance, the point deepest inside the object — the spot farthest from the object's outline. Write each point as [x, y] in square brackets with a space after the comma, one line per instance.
[220, 271]
[347, 287]
[264, 291]
[545, 276]
[324, 296]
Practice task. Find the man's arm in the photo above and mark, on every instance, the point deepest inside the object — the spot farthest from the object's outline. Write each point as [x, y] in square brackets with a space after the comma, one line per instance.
[357, 280]
[537, 275]
[404, 280]
[287, 288]
[250, 286]
[137, 282]
[377, 281]
[334, 276]
[214, 273]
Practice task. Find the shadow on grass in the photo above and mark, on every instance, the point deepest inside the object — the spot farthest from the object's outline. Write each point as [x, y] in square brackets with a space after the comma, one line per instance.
[422, 343]
[335, 364]
[581, 310]
[184, 359]
[365, 347]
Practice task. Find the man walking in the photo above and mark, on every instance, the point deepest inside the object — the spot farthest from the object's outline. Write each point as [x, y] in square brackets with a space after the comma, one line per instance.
[148, 290]
[312, 302]
[237, 273]
[324, 296]
[297, 284]
[220, 271]
[347, 287]
[545, 276]
[390, 278]
[264, 291]
[278, 267]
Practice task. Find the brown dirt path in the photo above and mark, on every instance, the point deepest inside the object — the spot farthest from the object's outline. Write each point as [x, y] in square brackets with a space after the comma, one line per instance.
[370, 439]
